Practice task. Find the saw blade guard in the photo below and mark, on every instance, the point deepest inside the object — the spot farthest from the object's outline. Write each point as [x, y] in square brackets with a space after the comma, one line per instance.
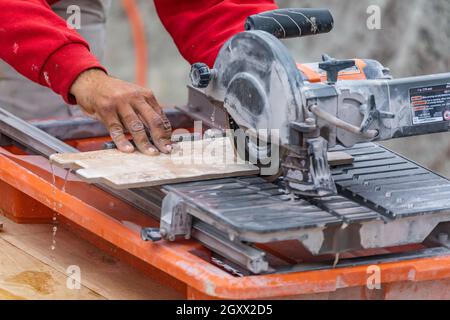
[259, 83]
[261, 88]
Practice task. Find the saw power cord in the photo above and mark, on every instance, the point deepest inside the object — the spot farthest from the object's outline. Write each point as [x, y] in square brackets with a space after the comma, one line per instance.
[139, 40]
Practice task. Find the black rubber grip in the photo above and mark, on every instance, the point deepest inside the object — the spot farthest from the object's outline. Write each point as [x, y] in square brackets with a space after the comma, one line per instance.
[290, 23]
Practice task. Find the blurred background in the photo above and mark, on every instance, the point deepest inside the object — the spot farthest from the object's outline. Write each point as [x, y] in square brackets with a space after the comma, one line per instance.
[414, 39]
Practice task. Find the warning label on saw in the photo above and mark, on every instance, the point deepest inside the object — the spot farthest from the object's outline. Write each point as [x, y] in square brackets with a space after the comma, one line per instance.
[430, 104]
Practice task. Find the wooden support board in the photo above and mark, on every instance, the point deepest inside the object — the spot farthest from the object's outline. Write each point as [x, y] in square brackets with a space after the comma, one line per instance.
[24, 277]
[189, 161]
[31, 269]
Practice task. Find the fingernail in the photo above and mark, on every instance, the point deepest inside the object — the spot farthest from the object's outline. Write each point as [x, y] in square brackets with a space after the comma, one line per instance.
[152, 150]
[169, 147]
[128, 148]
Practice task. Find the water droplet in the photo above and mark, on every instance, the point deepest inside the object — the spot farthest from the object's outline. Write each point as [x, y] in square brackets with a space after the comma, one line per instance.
[388, 194]
[53, 247]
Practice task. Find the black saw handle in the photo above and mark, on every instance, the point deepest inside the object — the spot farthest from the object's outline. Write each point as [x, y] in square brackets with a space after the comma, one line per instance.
[290, 23]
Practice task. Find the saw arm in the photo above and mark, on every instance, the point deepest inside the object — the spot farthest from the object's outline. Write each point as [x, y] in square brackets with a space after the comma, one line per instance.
[315, 106]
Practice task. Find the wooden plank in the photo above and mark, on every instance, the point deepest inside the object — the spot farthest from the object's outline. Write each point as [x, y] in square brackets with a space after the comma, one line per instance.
[189, 161]
[24, 277]
[101, 274]
[339, 158]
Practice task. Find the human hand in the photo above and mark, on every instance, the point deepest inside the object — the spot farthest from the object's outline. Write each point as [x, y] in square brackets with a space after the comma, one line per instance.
[124, 106]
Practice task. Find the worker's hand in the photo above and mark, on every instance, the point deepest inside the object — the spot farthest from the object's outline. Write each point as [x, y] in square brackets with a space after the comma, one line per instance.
[124, 106]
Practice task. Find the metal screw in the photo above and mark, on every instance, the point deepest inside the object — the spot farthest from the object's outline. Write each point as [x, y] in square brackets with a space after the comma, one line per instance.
[310, 121]
[151, 234]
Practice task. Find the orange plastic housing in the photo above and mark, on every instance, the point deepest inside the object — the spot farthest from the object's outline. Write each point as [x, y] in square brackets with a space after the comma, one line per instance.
[315, 76]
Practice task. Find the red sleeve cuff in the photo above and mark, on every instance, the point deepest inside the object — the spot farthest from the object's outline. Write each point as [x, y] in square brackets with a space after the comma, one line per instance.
[64, 66]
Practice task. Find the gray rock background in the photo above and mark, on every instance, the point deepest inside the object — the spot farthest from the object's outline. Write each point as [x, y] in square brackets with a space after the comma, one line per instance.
[414, 39]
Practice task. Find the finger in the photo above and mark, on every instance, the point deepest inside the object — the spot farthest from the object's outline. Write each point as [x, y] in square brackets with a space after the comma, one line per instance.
[164, 141]
[151, 100]
[116, 131]
[159, 125]
[137, 130]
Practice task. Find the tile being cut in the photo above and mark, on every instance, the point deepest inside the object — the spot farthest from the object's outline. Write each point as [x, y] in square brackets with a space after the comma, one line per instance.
[189, 161]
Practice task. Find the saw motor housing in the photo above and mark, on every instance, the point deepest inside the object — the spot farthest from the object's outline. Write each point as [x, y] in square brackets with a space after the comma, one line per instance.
[305, 109]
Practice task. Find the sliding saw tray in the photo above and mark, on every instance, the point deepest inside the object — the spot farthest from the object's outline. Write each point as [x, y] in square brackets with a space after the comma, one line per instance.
[384, 200]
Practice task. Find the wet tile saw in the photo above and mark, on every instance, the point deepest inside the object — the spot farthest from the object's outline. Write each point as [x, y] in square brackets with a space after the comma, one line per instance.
[380, 200]
[311, 215]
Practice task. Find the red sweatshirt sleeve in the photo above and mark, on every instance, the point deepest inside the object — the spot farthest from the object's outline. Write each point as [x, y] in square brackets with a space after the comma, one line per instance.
[200, 27]
[39, 45]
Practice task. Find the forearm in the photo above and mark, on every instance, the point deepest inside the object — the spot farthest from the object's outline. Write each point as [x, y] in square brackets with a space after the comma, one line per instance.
[200, 28]
[38, 44]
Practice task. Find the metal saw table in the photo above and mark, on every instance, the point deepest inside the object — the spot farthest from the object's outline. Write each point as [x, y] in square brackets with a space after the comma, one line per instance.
[384, 200]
